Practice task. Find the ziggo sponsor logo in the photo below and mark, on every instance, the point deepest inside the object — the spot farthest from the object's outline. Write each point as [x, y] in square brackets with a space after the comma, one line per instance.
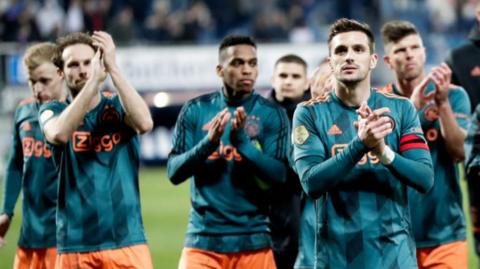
[84, 141]
[369, 157]
[37, 148]
[228, 153]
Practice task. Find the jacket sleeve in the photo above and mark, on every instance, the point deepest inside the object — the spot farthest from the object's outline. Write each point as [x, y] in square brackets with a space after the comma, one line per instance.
[14, 173]
[319, 173]
[412, 163]
[270, 158]
[186, 155]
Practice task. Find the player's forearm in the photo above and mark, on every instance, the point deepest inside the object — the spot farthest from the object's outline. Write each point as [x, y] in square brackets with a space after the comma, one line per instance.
[181, 166]
[414, 169]
[135, 107]
[317, 179]
[453, 135]
[60, 129]
[12, 186]
[12, 183]
[268, 168]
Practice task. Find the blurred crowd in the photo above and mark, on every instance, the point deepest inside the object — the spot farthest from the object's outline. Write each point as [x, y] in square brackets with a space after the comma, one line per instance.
[207, 21]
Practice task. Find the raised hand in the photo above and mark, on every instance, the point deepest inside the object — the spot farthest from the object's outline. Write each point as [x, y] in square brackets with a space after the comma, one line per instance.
[418, 97]
[98, 70]
[4, 225]
[373, 127]
[217, 125]
[239, 118]
[441, 76]
[105, 43]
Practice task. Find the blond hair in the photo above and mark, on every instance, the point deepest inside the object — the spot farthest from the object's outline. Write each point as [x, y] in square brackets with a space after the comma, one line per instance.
[38, 54]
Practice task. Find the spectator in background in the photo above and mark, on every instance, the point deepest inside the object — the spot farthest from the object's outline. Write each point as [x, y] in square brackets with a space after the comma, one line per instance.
[155, 26]
[50, 19]
[271, 26]
[18, 22]
[122, 26]
[96, 14]
[74, 19]
[465, 64]
[290, 87]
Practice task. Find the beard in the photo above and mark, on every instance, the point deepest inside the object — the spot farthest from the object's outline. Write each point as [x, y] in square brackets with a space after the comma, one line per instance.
[412, 74]
[75, 88]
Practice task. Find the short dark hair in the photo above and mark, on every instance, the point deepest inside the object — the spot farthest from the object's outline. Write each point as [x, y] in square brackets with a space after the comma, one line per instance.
[393, 31]
[292, 58]
[69, 40]
[348, 25]
[233, 40]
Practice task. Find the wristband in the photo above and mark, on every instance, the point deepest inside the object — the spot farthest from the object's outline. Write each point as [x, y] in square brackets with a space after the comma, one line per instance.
[387, 156]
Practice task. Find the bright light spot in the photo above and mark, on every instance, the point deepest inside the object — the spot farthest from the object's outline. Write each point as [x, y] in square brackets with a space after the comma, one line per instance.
[161, 99]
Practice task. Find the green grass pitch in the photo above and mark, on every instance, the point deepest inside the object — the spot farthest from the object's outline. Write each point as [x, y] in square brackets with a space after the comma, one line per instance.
[165, 212]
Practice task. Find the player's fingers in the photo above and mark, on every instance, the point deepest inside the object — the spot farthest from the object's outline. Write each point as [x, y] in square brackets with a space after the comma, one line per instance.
[423, 84]
[362, 111]
[241, 113]
[381, 111]
[446, 69]
[225, 118]
[100, 36]
[383, 134]
[379, 122]
[436, 75]
[382, 128]
[214, 123]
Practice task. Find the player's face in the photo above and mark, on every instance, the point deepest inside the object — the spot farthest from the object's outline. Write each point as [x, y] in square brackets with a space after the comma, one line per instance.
[239, 69]
[406, 57]
[289, 80]
[46, 83]
[350, 57]
[76, 67]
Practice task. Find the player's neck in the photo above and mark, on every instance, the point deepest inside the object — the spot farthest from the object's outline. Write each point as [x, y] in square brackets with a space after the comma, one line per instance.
[406, 86]
[234, 95]
[353, 95]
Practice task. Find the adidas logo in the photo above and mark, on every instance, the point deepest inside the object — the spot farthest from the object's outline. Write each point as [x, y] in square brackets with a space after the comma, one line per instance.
[475, 72]
[334, 130]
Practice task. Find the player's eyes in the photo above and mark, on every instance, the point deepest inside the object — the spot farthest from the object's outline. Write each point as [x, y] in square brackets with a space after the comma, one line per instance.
[73, 64]
[359, 49]
[44, 81]
[340, 50]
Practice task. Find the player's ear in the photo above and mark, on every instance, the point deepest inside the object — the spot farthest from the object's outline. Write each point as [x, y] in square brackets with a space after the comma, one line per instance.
[329, 60]
[386, 60]
[373, 60]
[219, 70]
[60, 73]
